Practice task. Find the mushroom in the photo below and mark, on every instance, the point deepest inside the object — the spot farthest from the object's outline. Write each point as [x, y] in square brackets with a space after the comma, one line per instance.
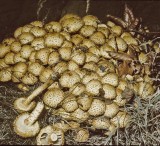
[93, 87]
[84, 101]
[110, 78]
[98, 38]
[3, 64]
[29, 79]
[69, 15]
[77, 89]
[121, 44]
[100, 123]
[54, 58]
[60, 67]
[65, 53]
[26, 38]
[4, 49]
[81, 135]
[26, 51]
[8, 41]
[72, 65]
[130, 40]
[18, 58]
[77, 39]
[111, 110]
[69, 103]
[54, 40]
[53, 26]
[90, 57]
[97, 107]
[72, 25]
[9, 58]
[50, 136]
[35, 68]
[66, 35]
[95, 50]
[26, 104]
[104, 30]
[38, 31]
[69, 78]
[25, 125]
[116, 30]
[53, 97]
[91, 66]
[109, 91]
[87, 30]
[38, 43]
[18, 32]
[45, 74]
[121, 120]
[78, 57]
[37, 23]
[91, 20]
[5, 75]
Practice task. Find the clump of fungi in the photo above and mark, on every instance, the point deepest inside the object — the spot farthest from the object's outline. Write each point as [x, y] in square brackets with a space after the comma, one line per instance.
[89, 71]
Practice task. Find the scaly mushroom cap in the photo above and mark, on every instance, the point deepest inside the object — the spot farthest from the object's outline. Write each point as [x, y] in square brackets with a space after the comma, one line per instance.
[77, 89]
[42, 55]
[88, 43]
[117, 30]
[72, 24]
[38, 43]
[69, 78]
[53, 97]
[70, 104]
[29, 79]
[27, 28]
[15, 47]
[23, 129]
[91, 66]
[78, 57]
[37, 23]
[87, 30]
[18, 32]
[97, 108]
[35, 68]
[5, 75]
[3, 64]
[26, 51]
[91, 20]
[81, 135]
[121, 44]
[8, 41]
[95, 50]
[38, 31]
[54, 40]
[88, 76]
[4, 49]
[130, 40]
[19, 69]
[60, 68]
[70, 15]
[111, 110]
[65, 53]
[110, 78]
[79, 115]
[72, 66]
[26, 38]
[98, 38]
[121, 120]
[18, 58]
[77, 39]
[91, 57]
[104, 30]
[9, 58]
[66, 35]
[93, 87]
[45, 74]
[112, 42]
[32, 57]
[53, 58]
[109, 91]
[104, 49]
[84, 102]
[53, 26]
[100, 123]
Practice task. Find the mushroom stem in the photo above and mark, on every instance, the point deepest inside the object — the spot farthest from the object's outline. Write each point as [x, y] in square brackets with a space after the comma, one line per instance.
[54, 137]
[35, 114]
[38, 91]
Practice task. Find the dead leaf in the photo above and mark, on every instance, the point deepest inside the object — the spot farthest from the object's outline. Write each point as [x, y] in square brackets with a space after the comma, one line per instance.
[124, 69]
[127, 94]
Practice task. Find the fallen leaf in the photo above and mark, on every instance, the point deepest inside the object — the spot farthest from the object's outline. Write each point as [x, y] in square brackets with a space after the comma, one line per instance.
[124, 69]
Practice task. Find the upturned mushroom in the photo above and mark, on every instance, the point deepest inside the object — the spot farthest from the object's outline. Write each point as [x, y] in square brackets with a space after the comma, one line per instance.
[26, 104]
[25, 125]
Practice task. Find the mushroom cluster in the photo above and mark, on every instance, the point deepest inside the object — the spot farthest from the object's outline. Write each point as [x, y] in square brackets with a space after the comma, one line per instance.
[90, 70]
